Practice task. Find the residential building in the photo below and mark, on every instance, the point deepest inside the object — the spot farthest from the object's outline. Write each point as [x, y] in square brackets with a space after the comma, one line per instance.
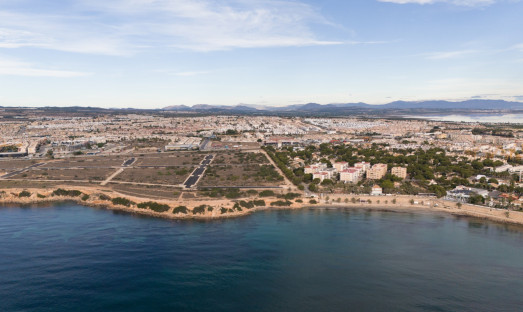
[351, 175]
[377, 172]
[340, 166]
[400, 172]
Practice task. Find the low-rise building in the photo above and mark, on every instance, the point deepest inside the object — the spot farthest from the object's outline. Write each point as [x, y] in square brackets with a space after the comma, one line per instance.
[376, 190]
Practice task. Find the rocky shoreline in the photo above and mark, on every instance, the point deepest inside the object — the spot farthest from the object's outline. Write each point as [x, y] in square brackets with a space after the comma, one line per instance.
[205, 209]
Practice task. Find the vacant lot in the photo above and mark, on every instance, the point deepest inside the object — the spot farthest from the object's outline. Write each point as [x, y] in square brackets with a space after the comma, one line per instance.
[241, 175]
[240, 158]
[94, 174]
[153, 192]
[11, 164]
[170, 159]
[170, 176]
[90, 162]
[5, 184]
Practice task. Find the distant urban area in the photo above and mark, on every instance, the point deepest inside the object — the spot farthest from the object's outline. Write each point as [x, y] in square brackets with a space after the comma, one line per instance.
[169, 163]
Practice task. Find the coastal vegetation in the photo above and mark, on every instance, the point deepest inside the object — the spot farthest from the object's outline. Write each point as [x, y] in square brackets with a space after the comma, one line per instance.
[122, 201]
[24, 194]
[154, 206]
[180, 209]
[68, 193]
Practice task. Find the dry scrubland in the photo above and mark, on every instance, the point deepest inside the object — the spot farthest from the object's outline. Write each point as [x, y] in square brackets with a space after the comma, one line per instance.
[229, 168]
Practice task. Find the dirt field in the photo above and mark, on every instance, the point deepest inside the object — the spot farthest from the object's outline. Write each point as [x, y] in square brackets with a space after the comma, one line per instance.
[95, 174]
[105, 162]
[241, 175]
[169, 159]
[11, 164]
[239, 158]
[154, 192]
[171, 176]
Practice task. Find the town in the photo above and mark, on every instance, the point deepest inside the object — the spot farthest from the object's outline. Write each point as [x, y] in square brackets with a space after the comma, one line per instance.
[194, 159]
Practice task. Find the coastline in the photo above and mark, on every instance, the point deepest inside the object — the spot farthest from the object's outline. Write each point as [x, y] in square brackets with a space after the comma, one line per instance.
[378, 203]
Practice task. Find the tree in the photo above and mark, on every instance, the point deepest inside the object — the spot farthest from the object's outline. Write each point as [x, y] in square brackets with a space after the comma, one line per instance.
[327, 182]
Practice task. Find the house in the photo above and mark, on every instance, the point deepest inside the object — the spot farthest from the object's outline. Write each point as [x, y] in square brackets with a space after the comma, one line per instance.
[376, 190]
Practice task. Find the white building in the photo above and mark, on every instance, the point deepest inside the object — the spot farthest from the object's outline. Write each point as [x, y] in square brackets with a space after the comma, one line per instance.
[351, 175]
[376, 190]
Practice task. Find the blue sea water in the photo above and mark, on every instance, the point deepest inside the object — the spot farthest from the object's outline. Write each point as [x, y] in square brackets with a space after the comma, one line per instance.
[71, 258]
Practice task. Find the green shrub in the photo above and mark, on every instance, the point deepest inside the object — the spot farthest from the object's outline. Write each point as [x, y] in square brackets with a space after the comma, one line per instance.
[122, 201]
[223, 210]
[299, 201]
[259, 202]
[209, 208]
[154, 206]
[104, 197]
[40, 195]
[246, 204]
[85, 197]
[266, 193]
[24, 194]
[233, 193]
[200, 209]
[281, 203]
[313, 202]
[180, 209]
[70, 193]
[290, 196]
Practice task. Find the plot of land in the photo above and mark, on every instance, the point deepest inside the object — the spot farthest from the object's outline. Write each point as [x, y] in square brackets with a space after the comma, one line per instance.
[11, 164]
[170, 176]
[241, 176]
[240, 158]
[169, 159]
[105, 162]
[154, 192]
[94, 174]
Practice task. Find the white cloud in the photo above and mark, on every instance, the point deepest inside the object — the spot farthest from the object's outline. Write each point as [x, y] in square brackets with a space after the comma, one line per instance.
[18, 68]
[122, 27]
[449, 54]
[454, 2]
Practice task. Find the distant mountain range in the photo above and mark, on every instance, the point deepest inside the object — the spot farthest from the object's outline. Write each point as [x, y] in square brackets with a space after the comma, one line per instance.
[359, 107]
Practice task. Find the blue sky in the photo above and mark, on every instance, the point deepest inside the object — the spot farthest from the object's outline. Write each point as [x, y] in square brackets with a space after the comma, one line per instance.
[155, 53]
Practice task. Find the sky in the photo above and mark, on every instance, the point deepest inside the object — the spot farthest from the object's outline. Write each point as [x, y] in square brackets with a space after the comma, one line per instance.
[158, 53]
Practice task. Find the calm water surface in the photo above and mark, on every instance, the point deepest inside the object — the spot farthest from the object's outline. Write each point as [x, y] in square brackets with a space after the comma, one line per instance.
[72, 258]
[487, 118]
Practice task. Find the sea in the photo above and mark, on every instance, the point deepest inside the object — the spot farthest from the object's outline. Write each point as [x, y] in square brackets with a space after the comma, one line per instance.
[66, 257]
[479, 118]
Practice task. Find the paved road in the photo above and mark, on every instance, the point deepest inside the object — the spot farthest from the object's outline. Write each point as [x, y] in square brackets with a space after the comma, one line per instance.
[7, 176]
[198, 172]
[129, 162]
[204, 144]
